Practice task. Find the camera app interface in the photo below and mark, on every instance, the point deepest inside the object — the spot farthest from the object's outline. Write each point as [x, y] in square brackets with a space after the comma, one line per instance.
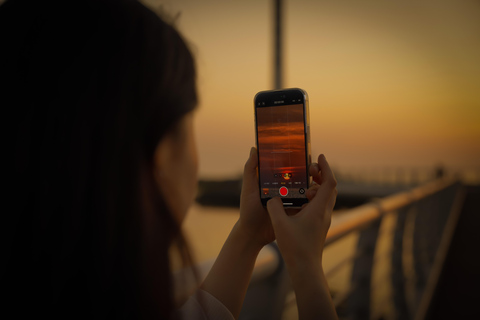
[281, 146]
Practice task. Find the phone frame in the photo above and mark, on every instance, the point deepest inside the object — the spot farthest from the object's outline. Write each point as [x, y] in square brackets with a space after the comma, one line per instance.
[282, 97]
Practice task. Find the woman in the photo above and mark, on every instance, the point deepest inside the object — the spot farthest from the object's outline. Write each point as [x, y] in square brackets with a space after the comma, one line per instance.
[105, 170]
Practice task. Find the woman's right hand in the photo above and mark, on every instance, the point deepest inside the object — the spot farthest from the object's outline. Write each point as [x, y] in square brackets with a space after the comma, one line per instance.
[301, 237]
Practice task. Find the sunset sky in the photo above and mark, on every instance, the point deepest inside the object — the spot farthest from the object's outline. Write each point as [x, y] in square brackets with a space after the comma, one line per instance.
[391, 83]
[281, 142]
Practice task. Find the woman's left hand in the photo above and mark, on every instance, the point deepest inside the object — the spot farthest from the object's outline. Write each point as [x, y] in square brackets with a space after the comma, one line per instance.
[232, 271]
[254, 220]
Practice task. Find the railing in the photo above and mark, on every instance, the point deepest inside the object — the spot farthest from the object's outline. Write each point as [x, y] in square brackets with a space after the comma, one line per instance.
[423, 219]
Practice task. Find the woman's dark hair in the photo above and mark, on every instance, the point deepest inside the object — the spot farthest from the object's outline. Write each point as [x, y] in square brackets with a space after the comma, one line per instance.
[92, 87]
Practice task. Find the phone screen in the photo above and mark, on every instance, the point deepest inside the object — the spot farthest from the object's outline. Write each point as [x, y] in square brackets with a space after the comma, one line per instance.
[282, 142]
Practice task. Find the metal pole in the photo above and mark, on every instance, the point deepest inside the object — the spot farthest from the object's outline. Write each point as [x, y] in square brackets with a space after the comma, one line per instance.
[277, 44]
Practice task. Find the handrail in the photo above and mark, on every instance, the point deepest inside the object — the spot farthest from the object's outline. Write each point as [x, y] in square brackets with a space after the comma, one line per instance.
[434, 207]
[357, 218]
[269, 273]
[441, 255]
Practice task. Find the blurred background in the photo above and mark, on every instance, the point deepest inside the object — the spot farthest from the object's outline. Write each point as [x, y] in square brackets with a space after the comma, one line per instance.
[391, 83]
[394, 89]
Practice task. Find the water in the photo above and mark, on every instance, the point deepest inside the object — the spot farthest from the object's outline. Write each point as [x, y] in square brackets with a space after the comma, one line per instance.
[207, 228]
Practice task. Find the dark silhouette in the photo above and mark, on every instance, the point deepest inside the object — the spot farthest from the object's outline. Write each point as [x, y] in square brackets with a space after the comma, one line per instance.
[104, 169]
[92, 87]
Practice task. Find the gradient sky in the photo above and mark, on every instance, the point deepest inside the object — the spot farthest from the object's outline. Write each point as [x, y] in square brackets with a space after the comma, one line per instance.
[391, 83]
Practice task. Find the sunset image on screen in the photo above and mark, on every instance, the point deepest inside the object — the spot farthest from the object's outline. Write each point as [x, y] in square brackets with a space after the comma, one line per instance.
[281, 147]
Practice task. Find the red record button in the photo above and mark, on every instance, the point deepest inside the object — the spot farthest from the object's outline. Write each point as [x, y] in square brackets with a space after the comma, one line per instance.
[283, 191]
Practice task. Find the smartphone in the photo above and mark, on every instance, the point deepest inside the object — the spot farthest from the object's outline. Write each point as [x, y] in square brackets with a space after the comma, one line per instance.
[282, 129]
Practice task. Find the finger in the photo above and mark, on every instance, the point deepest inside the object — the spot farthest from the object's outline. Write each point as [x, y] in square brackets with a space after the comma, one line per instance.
[333, 199]
[250, 170]
[291, 211]
[314, 171]
[328, 178]
[328, 186]
[321, 206]
[311, 192]
[276, 211]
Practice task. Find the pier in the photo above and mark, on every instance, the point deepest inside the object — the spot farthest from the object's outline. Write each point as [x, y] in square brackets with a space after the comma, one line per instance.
[408, 253]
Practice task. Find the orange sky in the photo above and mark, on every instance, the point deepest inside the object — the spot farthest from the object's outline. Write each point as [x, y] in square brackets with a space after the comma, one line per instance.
[391, 83]
[281, 141]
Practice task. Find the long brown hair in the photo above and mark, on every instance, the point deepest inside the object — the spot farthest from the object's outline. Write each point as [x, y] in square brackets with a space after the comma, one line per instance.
[97, 84]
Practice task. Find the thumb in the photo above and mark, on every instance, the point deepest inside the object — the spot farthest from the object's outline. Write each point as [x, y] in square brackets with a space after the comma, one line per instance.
[250, 170]
[276, 211]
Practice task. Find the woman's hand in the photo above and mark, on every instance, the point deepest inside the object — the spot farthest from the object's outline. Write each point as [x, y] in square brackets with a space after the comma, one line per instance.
[254, 221]
[304, 232]
[231, 273]
[301, 236]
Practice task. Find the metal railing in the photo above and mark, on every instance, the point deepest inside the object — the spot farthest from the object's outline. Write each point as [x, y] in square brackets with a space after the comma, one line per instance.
[424, 219]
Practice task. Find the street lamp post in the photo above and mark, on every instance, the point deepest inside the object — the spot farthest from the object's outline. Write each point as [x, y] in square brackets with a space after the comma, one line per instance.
[277, 68]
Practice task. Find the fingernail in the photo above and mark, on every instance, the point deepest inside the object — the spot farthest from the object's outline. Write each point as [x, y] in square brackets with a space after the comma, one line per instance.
[252, 151]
